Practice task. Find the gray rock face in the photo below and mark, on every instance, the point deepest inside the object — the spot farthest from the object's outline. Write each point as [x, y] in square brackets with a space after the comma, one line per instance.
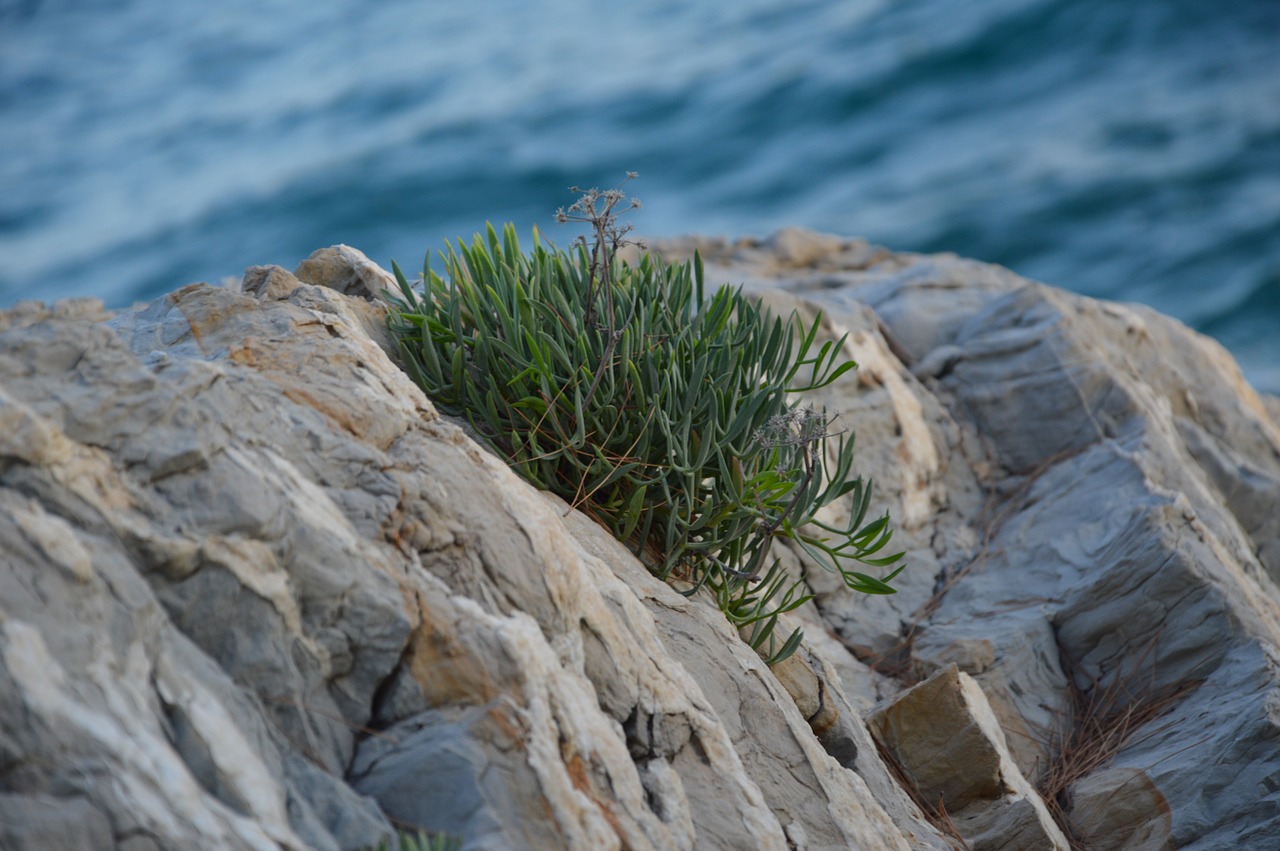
[255, 593]
[1097, 495]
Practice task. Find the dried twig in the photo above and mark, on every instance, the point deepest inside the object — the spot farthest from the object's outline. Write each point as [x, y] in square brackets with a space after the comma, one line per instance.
[1103, 721]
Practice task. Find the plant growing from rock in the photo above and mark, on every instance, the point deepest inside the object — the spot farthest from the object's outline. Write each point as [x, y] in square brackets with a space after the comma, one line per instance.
[421, 841]
[660, 410]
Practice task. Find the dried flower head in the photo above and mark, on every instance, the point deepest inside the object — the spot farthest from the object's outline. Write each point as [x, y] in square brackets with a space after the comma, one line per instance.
[600, 208]
[799, 426]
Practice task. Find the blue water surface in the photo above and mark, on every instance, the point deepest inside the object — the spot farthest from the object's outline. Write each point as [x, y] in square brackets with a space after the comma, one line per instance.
[1124, 150]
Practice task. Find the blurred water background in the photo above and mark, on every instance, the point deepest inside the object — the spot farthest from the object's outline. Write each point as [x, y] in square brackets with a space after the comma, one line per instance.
[1129, 150]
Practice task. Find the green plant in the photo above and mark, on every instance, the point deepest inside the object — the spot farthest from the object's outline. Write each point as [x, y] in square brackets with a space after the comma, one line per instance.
[421, 841]
[661, 411]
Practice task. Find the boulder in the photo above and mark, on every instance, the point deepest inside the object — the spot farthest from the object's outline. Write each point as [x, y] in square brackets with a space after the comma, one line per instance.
[256, 593]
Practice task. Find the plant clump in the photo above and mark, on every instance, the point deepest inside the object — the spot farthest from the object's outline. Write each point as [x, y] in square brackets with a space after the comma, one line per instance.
[662, 411]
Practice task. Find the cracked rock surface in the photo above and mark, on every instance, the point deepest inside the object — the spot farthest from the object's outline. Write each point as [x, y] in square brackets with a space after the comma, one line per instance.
[256, 593]
[1088, 493]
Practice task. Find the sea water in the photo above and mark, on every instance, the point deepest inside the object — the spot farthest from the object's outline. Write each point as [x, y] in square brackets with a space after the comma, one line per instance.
[1128, 150]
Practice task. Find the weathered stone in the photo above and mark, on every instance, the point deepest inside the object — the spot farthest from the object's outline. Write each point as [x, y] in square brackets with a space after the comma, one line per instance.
[799, 247]
[1107, 486]
[1120, 808]
[1012, 823]
[838, 726]
[805, 787]
[268, 282]
[42, 822]
[316, 553]
[26, 313]
[255, 593]
[347, 270]
[938, 725]
[948, 741]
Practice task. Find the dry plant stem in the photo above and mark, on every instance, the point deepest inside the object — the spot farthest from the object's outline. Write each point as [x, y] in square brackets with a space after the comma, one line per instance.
[580, 498]
[1103, 721]
[936, 816]
[609, 237]
[949, 829]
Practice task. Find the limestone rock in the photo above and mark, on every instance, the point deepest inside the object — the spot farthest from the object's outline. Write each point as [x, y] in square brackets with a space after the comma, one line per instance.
[946, 738]
[268, 282]
[256, 584]
[1120, 808]
[347, 270]
[256, 593]
[1101, 512]
[938, 725]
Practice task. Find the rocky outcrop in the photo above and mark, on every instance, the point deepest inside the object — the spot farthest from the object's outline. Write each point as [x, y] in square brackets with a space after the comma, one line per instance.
[1089, 495]
[256, 593]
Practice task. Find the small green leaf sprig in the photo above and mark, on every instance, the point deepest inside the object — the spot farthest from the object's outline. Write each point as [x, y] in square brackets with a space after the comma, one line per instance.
[420, 841]
[661, 411]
